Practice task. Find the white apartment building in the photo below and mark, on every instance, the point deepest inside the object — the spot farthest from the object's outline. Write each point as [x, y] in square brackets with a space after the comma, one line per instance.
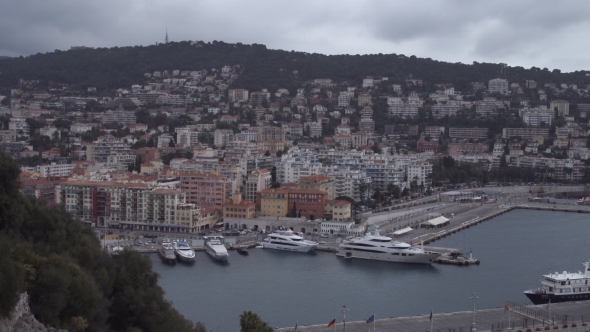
[104, 147]
[222, 137]
[535, 117]
[315, 129]
[498, 85]
[419, 171]
[296, 164]
[53, 169]
[403, 110]
[237, 95]
[79, 127]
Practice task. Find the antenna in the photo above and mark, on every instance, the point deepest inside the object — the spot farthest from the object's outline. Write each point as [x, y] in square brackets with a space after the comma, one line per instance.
[166, 36]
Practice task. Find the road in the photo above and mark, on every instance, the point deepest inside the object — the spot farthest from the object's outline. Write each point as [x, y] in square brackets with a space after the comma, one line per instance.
[459, 321]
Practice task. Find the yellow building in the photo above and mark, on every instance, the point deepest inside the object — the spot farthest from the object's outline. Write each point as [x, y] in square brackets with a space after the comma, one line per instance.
[339, 210]
[239, 208]
[274, 202]
[318, 182]
[271, 145]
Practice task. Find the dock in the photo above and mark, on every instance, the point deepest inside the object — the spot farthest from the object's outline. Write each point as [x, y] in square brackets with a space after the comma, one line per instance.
[567, 316]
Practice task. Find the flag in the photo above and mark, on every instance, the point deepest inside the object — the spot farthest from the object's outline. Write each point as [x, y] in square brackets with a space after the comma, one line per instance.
[507, 307]
[332, 323]
[548, 305]
[295, 326]
[431, 315]
[371, 319]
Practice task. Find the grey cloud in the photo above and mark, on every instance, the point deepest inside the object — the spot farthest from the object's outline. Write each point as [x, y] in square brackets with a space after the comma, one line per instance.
[525, 32]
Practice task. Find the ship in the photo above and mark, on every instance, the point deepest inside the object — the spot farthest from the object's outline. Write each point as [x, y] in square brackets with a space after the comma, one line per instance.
[374, 246]
[562, 287]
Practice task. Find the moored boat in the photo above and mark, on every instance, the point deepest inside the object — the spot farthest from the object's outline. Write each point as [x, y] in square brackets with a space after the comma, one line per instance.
[383, 248]
[289, 241]
[215, 247]
[184, 252]
[562, 287]
[166, 253]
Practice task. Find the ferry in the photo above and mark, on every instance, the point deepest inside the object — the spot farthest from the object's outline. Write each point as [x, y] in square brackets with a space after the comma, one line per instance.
[184, 252]
[383, 248]
[562, 287]
[288, 240]
[215, 248]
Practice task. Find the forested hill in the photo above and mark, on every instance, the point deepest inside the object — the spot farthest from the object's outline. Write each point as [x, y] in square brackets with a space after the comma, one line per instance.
[111, 68]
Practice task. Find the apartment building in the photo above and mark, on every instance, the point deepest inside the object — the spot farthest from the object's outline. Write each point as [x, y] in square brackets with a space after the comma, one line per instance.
[498, 85]
[269, 133]
[7, 135]
[239, 209]
[237, 95]
[120, 116]
[338, 210]
[526, 133]
[562, 106]
[274, 202]
[296, 164]
[403, 110]
[318, 182]
[51, 170]
[222, 137]
[475, 133]
[537, 117]
[420, 171]
[205, 189]
[470, 148]
[256, 182]
[449, 109]
[106, 146]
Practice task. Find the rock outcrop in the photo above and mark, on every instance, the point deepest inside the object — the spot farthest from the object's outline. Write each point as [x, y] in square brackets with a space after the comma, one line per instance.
[22, 320]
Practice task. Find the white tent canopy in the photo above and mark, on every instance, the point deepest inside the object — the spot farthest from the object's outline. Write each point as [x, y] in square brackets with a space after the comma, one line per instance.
[403, 231]
[435, 222]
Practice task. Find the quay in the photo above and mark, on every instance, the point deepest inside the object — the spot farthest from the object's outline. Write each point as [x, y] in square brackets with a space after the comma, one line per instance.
[567, 316]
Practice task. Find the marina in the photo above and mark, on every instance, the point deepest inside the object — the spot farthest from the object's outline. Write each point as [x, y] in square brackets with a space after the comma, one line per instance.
[501, 244]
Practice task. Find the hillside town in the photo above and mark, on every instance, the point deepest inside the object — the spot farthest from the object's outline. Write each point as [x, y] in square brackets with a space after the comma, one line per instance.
[186, 151]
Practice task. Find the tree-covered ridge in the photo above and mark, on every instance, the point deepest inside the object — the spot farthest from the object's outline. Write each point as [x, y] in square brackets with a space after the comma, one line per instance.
[72, 283]
[111, 68]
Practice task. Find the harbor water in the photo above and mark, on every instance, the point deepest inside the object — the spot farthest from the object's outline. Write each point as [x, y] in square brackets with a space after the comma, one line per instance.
[286, 288]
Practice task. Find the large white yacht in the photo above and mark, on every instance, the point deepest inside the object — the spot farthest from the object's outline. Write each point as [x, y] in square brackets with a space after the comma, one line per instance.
[184, 252]
[215, 247]
[383, 248]
[287, 240]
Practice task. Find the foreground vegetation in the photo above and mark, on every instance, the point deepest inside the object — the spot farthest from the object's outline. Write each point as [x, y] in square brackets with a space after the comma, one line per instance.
[72, 283]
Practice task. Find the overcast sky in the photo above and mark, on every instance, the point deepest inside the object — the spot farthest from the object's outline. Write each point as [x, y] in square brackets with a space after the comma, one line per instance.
[526, 33]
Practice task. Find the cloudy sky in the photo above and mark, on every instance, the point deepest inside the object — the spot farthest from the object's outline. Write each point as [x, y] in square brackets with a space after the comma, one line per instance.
[526, 33]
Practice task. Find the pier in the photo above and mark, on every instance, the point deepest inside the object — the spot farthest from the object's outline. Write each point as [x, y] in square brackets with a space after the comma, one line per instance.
[567, 316]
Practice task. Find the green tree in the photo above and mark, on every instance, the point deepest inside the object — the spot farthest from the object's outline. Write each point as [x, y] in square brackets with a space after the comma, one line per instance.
[250, 322]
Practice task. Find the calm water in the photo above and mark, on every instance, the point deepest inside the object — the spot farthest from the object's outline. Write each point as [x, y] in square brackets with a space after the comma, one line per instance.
[284, 288]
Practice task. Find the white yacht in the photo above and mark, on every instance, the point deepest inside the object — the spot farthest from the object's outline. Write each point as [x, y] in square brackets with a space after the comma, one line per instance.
[383, 248]
[215, 247]
[184, 252]
[287, 240]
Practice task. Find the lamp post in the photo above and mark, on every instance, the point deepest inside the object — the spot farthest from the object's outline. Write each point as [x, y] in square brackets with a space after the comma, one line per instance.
[344, 310]
[474, 297]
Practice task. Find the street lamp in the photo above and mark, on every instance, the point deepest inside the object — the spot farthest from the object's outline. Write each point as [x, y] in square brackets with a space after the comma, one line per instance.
[344, 310]
[474, 297]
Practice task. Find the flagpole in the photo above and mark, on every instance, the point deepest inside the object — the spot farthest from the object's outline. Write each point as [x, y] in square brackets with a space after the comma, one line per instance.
[373, 322]
[431, 320]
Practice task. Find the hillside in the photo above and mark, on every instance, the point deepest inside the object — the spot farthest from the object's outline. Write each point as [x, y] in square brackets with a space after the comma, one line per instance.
[73, 284]
[111, 68]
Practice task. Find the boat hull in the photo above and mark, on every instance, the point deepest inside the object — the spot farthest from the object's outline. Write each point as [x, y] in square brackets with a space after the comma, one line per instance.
[277, 246]
[168, 259]
[425, 258]
[543, 298]
[216, 256]
[184, 258]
